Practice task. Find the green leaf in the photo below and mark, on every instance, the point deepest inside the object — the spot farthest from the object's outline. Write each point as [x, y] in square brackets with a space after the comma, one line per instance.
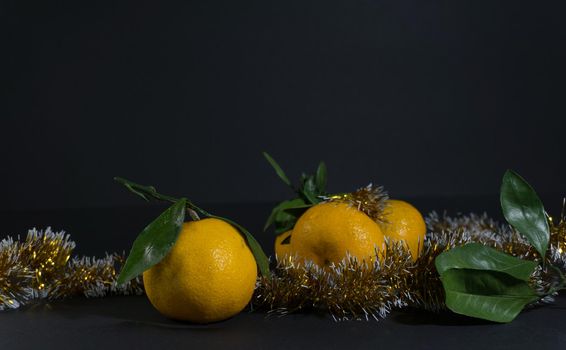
[321, 178]
[287, 218]
[482, 282]
[523, 209]
[309, 185]
[284, 226]
[278, 169]
[310, 197]
[489, 295]
[298, 210]
[480, 257]
[285, 214]
[278, 215]
[154, 242]
[308, 189]
[258, 253]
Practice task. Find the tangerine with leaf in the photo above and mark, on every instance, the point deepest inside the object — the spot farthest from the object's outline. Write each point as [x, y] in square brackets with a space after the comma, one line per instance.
[201, 271]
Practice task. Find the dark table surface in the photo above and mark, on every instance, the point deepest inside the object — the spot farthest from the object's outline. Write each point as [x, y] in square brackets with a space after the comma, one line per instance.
[131, 322]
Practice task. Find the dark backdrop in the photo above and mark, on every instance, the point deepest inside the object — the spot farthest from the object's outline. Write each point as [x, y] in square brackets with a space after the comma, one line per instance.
[424, 97]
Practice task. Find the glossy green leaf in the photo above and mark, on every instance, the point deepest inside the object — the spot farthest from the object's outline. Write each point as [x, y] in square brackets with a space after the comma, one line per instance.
[523, 209]
[480, 257]
[489, 295]
[277, 169]
[278, 214]
[321, 175]
[308, 189]
[284, 226]
[154, 242]
[298, 210]
[258, 253]
[285, 215]
[309, 184]
[288, 217]
[310, 197]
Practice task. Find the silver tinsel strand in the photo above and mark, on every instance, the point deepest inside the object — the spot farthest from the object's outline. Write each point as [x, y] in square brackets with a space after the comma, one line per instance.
[41, 267]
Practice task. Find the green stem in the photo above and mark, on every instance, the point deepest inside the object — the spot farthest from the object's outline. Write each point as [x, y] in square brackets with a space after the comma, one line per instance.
[150, 191]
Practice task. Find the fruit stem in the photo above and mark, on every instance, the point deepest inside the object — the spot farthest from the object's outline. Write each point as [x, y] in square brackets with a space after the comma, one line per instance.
[150, 191]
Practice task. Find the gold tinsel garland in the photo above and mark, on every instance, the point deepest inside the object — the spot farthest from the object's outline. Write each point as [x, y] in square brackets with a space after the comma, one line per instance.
[41, 267]
[372, 200]
[346, 290]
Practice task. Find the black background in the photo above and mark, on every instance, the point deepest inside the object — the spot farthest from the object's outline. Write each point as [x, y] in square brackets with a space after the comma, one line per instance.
[424, 97]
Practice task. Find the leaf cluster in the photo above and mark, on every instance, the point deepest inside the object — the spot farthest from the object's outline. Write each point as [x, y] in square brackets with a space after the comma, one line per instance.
[482, 282]
[311, 191]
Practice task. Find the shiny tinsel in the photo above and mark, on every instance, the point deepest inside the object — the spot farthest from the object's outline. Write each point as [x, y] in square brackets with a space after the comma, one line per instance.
[558, 240]
[371, 200]
[351, 291]
[41, 267]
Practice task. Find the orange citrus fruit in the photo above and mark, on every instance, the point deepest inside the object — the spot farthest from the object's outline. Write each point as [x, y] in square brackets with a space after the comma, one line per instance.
[326, 233]
[209, 275]
[405, 222]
